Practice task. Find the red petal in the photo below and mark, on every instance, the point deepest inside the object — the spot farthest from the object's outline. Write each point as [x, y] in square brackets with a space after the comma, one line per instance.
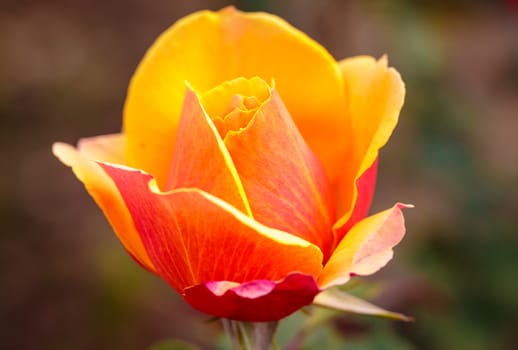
[193, 237]
[365, 185]
[255, 301]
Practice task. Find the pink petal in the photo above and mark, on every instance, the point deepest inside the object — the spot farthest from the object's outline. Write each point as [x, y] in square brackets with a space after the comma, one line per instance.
[254, 301]
[366, 248]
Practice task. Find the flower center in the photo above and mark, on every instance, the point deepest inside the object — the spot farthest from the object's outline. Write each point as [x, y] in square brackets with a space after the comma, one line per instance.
[233, 104]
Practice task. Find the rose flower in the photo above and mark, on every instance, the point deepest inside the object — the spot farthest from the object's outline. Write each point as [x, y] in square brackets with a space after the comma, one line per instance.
[247, 164]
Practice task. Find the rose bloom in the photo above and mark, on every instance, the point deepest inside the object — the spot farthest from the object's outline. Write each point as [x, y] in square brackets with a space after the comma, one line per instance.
[246, 165]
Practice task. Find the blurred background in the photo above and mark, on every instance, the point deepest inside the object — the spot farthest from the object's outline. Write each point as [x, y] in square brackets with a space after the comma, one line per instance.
[66, 283]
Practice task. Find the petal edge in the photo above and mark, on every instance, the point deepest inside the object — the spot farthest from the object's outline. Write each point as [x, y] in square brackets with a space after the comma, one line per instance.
[366, 248]
[184, 229]
[105, 194]
[254, 301]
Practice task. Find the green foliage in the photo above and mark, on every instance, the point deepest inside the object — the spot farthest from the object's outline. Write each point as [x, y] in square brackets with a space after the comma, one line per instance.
[341, 301]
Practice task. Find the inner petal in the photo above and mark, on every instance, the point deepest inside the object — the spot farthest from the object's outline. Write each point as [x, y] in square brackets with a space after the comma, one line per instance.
[233, 104]
[236, 120]
[285, 183]
[207, 48]
[201, 159]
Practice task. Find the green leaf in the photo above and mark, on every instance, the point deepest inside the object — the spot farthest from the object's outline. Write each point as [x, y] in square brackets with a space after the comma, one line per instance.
[173, 345]
[341, 301]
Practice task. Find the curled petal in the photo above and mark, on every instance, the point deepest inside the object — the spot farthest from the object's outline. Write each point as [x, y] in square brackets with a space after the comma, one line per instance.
[254, 301]
[366, 248]
[240, 94]
[375, 95]
[208, 48]
[102, 189]
[193, 237]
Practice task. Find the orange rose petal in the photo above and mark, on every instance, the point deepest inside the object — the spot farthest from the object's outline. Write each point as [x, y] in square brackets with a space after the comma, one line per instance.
[193, 237]
[201, 159]
[366, 248]
[284, 181]
[208, 48]
[102, 189]
[375, 95]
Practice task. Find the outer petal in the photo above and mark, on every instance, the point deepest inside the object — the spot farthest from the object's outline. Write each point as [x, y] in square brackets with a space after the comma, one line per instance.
[366, 248]
[106, 148]
[201, 159]
[285, 183]
[254, 301]
[193, 237]
[365, 186]
[375, 95]
[101, 187]
[207, 48]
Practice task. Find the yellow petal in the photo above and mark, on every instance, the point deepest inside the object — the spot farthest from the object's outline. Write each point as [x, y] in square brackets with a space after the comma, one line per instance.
[208, 48]
[375, 95]
[108, 148]
[233, 104]
[101, 187]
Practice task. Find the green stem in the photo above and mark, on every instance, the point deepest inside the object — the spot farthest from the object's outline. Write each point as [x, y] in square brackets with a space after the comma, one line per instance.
[246, 340]
[232, 332]
[251, 336]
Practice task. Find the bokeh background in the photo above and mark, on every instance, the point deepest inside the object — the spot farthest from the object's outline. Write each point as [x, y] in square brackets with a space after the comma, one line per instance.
[65, 281]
